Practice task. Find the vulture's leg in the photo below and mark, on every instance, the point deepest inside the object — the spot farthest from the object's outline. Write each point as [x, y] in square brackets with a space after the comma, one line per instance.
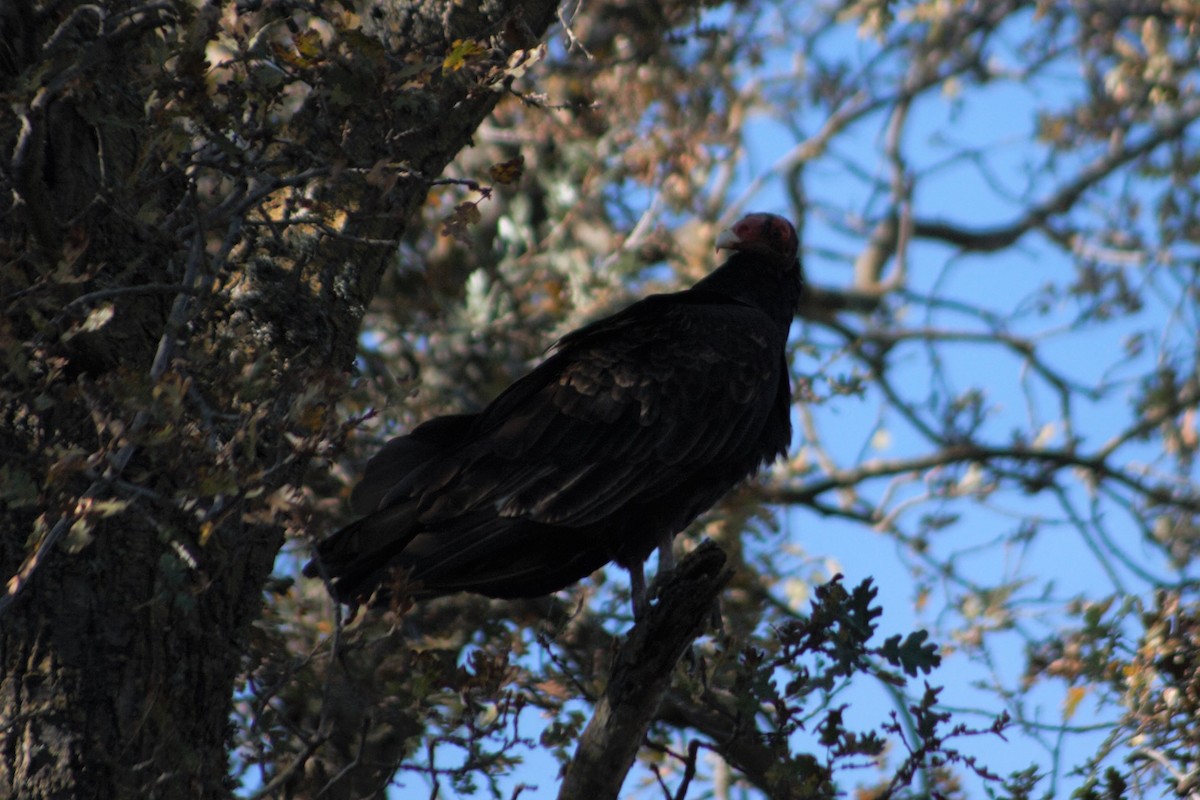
[666, 565]
[666, 556]
[637, 589]
[637, 576]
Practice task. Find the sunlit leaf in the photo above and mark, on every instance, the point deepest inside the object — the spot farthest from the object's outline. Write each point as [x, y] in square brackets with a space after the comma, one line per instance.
[462, 52]
[79, 536]
[1074, 695]
[98, 317]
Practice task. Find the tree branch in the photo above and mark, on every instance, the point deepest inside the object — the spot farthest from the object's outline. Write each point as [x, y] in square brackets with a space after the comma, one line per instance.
[1062, 201]
[642, 674]
[1048, 459]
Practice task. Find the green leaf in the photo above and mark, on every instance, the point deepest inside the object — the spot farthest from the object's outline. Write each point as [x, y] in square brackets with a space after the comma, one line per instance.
[462, 52]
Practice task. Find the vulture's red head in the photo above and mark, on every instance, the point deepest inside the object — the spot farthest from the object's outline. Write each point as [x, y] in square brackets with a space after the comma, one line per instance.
[762, 234]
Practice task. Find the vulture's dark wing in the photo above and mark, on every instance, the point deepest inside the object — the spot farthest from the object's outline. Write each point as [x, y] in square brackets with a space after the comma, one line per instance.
[624, 408]
[666, 401]
[386, 471]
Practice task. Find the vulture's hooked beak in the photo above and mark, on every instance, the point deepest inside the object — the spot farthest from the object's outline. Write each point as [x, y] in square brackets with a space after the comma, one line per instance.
[728, 240]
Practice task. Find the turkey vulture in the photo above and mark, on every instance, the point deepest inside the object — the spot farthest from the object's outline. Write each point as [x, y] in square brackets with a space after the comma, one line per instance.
[632, 427]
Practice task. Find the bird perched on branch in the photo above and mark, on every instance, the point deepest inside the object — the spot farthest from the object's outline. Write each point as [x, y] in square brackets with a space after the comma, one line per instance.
[631, 428]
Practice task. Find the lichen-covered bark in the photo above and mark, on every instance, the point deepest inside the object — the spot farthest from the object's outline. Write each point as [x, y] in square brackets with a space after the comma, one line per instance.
[173, 335]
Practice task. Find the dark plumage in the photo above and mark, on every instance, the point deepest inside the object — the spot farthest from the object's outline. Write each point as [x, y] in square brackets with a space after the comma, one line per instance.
[631, 428]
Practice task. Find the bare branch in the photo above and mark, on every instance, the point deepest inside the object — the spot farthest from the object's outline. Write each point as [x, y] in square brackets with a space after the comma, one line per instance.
[1063, 200]
[1050, 459]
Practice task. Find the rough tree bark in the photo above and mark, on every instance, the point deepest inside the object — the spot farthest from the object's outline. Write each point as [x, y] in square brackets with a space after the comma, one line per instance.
[151, 333]
[641, 675]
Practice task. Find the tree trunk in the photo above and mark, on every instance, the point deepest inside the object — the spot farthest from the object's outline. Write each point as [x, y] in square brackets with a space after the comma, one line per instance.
[173, 336]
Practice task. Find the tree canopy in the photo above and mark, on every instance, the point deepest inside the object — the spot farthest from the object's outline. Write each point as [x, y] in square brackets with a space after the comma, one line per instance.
[246, 243]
